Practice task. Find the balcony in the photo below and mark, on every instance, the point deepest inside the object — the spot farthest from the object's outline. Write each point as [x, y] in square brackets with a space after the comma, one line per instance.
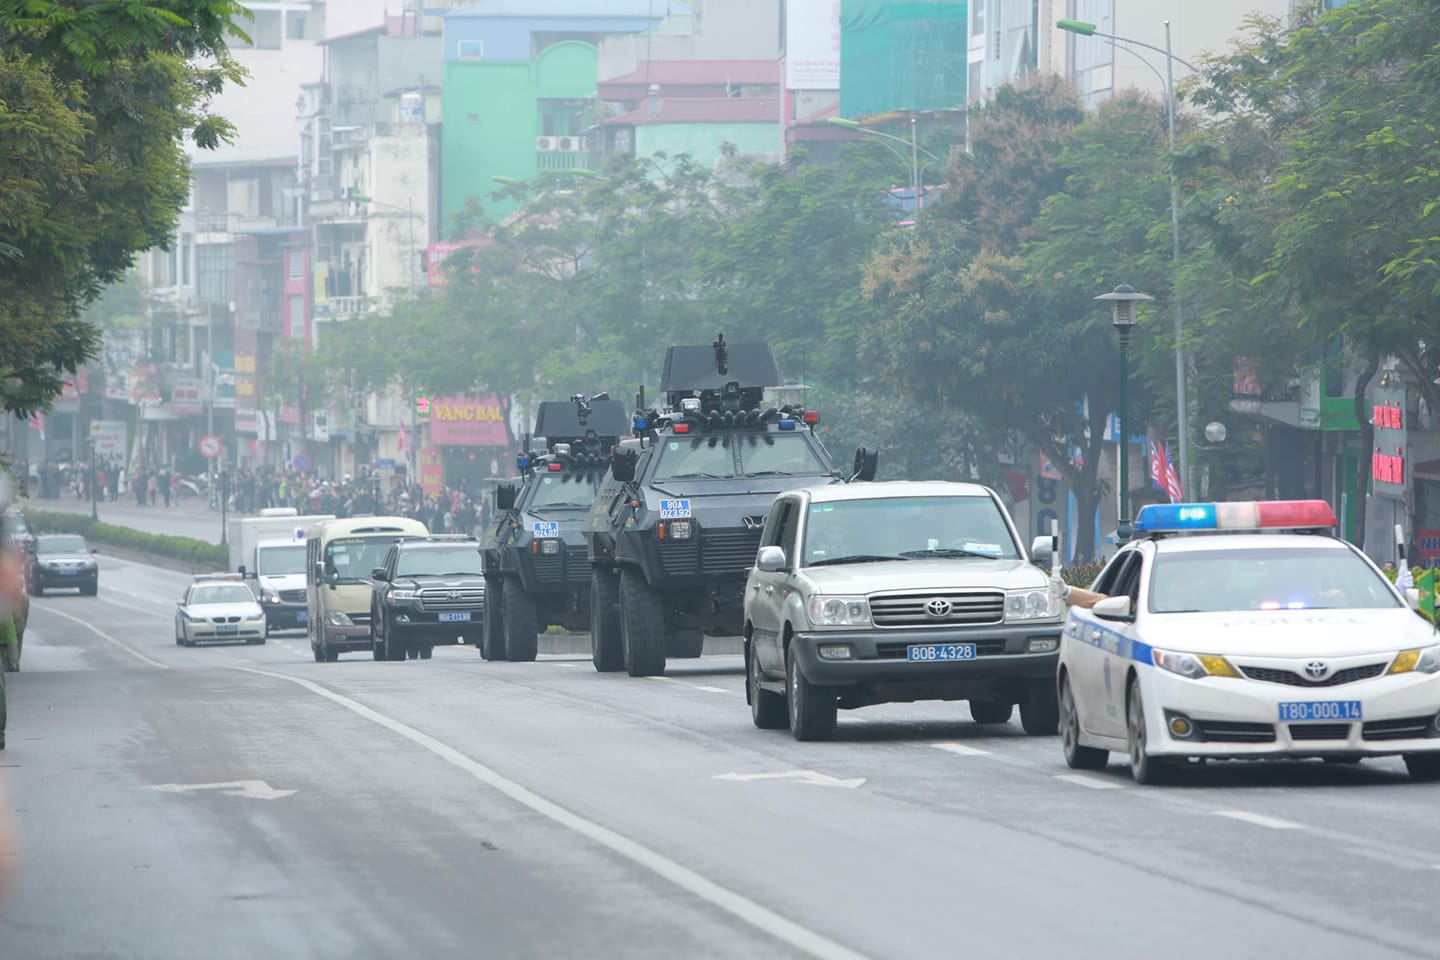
[565, 160]
[210, 222]
[339, 308]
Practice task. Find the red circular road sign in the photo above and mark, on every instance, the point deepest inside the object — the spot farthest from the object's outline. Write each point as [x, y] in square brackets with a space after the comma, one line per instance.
[210, 446]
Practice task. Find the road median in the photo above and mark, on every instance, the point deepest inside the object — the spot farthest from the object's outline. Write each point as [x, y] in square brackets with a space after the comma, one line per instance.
[184, 554]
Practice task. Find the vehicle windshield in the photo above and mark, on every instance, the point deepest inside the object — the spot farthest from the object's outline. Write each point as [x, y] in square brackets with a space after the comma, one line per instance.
[352, 558]
[1300, 578]
[906, 528]
[564, 490]
[279, 561]
[221, 593]
[707, 456]
[60, 545]
[439, 561]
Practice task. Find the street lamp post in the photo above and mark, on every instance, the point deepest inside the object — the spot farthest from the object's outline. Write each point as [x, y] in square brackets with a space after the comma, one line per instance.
[1123, 301]
[913, 143]
[1182, 404]
[94, 512]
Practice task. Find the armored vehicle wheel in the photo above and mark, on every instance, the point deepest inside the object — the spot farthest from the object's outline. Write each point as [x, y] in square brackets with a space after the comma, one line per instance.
[642, 626]
[606, 647]
[685, 643]
[492, 637]
[521, 633]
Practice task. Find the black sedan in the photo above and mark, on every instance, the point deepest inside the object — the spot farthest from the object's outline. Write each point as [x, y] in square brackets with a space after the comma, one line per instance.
[62, 560]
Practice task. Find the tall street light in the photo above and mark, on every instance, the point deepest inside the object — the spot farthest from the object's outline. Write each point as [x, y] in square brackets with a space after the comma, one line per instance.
[1123, 301]
[1182, 406]
[913, 143]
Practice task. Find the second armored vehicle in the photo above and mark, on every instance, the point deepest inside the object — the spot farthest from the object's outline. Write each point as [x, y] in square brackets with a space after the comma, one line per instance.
[677, 521]
[533, 555]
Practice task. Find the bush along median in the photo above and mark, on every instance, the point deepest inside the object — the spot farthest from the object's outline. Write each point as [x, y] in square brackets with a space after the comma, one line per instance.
[212, 556]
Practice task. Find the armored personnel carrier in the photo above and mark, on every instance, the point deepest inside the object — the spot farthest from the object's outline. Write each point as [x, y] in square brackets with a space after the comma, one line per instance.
[676, 523]
[533, 556]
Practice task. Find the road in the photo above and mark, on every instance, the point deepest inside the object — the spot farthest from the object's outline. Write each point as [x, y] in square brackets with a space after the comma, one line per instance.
[457, 808]
[185, 518]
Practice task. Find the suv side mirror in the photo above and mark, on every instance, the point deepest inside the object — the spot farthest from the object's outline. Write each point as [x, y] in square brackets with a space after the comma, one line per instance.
[379, 574]
[505, 496]
[867, 463]
[1113, 608]
[241, 570]
[771, 560]
[1040, 551]
[622, 465]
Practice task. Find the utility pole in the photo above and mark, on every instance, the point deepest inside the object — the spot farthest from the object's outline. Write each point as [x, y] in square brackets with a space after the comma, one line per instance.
[915, 164]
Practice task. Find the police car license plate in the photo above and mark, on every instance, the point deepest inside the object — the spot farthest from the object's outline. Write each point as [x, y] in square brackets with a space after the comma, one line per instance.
[925, 652]
[1321, 710]
[227, 628]
[459, 617]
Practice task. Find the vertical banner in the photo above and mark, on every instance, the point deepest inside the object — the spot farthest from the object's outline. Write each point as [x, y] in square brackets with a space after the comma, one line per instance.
[432, 470]
[812, 45]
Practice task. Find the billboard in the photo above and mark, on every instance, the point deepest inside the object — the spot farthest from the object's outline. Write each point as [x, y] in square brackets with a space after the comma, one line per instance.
[432, 470]
[812, 45]
[187, 396]
[110, 438]
[463, 421]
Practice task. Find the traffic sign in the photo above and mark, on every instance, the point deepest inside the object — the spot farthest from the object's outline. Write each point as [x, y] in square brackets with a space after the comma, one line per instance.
[210, 446]
[302, 463]
[385, 465]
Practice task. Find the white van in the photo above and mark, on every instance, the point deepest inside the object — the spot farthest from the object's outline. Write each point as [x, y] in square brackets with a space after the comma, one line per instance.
[339, 555]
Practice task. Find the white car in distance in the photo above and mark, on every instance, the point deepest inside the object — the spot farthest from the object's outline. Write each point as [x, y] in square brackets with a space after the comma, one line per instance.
[218, 607]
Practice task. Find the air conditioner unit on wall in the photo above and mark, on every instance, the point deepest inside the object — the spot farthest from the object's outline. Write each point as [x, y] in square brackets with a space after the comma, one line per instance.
[547, 144]
[569, 144]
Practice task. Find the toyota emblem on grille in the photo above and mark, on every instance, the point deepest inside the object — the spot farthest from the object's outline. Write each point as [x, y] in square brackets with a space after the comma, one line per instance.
[1316, 669]
[454, 594]
[938, 608]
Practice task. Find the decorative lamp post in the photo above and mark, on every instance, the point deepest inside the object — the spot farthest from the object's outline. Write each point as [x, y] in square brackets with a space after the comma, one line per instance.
[1122, 302]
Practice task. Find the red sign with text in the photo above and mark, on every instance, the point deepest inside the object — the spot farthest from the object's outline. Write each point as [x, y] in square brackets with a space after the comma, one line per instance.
[1389, 418]
[1387, 468]
[432, 470]
[461, 421]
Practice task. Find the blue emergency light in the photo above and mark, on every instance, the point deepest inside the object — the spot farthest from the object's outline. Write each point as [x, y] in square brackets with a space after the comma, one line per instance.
[1239, 515]
[787, 424]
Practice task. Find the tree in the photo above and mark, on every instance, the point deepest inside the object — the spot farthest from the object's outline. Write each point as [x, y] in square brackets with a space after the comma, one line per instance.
[96, 101]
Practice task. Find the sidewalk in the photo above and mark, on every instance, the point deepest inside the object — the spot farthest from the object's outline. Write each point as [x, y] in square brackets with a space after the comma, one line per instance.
[189, 518]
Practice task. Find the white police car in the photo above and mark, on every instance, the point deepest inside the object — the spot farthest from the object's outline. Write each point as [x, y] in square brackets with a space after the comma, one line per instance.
[218, 606]
[1244, 630]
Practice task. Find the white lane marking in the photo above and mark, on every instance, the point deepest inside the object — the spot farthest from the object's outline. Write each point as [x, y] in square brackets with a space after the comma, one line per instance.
[800, 776]
[962, 749]
[250, 789]
[104, 636]
[1084, 781]
[659, 678]
[1259, 819]
[567, 664]
[709, 689]
[765, 920]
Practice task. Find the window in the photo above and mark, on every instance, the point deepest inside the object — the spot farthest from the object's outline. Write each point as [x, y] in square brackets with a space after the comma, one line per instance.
[962, 528]
[301, 26]
[977, 18]
[470, 50]
[187, 245]
[214, 270]
[564, 490]
[221, 593]
[265, 31]
[1278, 579]
[438, 562]
[279, 561]
[351, 560]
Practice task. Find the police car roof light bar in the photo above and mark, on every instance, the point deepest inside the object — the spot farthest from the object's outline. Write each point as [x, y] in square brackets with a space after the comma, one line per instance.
[1241, 515]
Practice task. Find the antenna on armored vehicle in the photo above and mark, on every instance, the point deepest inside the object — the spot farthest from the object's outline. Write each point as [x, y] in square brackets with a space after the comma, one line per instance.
[722, 355]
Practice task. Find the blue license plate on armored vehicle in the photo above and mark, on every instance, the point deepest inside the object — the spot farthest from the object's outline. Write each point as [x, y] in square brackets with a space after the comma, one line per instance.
[674, 509]
[926, 652]
[1319, 710]
[457, 617]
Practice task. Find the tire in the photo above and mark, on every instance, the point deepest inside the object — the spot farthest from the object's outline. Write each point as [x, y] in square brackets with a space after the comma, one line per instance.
[1146, 769]
[1077, 757]
[393, 645]
[319, 654]
[607, 650]
[330, 655]
[492, 639]
[1423, 767]
[991, 711]
[642, 626]
[685, 643]
[180, 638]
[522, 635]
[813, 710]
[1040, 712]
[767, 708]
[37, 589]
[412, 653]
[90, 590]
[426, 652]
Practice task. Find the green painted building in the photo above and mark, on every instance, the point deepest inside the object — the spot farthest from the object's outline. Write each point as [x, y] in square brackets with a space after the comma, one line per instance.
[519, 89]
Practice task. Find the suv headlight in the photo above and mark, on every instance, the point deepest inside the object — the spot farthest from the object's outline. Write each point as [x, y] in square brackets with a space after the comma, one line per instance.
[1421, 660]
[402, 593]
[1193, 666]
[1039, 604]
[838, 611]
[338, 619]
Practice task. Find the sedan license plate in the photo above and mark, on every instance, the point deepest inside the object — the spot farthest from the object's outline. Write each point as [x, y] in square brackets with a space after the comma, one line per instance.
[227, 628]
[68, 573]
[926, 652]
[1319, 710]
[460, 617]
